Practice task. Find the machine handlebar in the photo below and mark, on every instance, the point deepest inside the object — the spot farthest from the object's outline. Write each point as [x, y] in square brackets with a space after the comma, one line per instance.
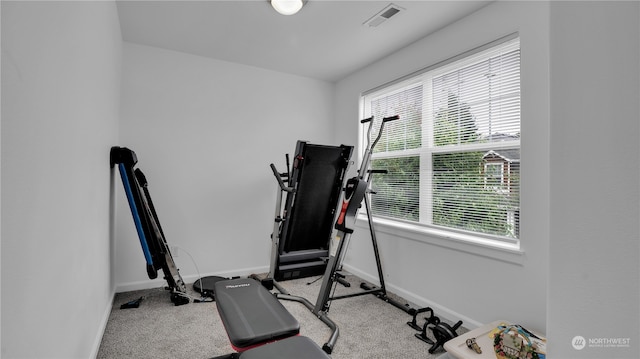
[386, 119]
[279, 179]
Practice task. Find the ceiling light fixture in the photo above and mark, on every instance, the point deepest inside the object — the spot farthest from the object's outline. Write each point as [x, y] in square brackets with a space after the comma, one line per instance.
[287, 7]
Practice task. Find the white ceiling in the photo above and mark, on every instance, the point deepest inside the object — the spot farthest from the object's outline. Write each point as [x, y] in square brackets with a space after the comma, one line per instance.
[325, 40]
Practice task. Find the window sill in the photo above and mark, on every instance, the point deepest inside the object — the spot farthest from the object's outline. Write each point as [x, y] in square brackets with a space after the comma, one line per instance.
[475, 245]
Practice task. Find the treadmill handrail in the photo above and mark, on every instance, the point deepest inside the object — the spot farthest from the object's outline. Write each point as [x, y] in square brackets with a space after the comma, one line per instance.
[279, 179]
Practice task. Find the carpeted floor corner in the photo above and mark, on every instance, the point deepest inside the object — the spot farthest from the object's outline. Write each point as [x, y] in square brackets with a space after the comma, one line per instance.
[369, 327]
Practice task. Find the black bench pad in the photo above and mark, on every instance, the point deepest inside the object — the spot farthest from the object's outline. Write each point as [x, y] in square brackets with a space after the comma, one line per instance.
[297, 347]
[251, 314]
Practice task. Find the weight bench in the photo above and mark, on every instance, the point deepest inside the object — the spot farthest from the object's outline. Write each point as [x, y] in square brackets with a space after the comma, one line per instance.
[258, 325]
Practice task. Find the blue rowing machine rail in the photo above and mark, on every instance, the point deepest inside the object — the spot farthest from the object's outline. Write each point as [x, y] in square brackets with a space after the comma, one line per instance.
[135, 214]
[154, 245]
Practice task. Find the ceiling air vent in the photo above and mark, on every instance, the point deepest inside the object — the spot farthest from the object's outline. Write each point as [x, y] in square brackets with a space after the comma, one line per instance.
[384, 15]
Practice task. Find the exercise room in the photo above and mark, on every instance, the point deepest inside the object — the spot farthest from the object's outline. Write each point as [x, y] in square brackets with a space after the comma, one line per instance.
[332, 179]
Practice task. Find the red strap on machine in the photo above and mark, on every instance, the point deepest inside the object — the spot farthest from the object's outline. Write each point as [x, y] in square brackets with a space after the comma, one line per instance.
[343, 212]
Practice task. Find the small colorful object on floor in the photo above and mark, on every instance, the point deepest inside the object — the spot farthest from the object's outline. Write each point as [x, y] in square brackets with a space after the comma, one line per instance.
[515, 342]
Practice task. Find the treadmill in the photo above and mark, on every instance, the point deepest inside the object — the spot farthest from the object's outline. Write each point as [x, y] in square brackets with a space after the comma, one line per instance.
[303, 226]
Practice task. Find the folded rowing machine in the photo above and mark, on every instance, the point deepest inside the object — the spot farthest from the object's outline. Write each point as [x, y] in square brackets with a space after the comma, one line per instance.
[154, 244]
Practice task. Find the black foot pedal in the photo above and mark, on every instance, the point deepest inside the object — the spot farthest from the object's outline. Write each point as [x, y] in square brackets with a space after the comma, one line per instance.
[414, 322]
[431, 320]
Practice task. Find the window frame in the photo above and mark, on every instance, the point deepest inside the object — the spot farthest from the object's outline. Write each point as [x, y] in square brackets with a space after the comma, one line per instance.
[453, 237]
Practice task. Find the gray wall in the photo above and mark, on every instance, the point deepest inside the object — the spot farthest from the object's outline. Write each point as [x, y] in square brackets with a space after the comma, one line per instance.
[205, 132]
[64, 105]
[60, 101]
[595, 161]
[578, 272]
[466, 279]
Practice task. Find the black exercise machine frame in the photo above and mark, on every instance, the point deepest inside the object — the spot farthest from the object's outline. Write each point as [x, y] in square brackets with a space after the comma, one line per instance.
[379, 291]
[152, 239]
[355, 191]
[359, 188]
[303, 224]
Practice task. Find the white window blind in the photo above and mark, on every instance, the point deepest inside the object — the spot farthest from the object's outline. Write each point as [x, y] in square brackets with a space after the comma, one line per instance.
[453, 158]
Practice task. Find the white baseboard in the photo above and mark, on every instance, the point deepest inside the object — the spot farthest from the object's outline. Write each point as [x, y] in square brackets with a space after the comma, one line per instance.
[190, 278]
[103, 325]
[440, 310]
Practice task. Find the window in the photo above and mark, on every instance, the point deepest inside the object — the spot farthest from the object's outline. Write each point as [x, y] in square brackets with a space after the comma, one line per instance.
[453, 158]
[493, 176]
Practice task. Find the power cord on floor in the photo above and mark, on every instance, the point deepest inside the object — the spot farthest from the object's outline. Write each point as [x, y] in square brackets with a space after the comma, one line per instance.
[202, 298]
